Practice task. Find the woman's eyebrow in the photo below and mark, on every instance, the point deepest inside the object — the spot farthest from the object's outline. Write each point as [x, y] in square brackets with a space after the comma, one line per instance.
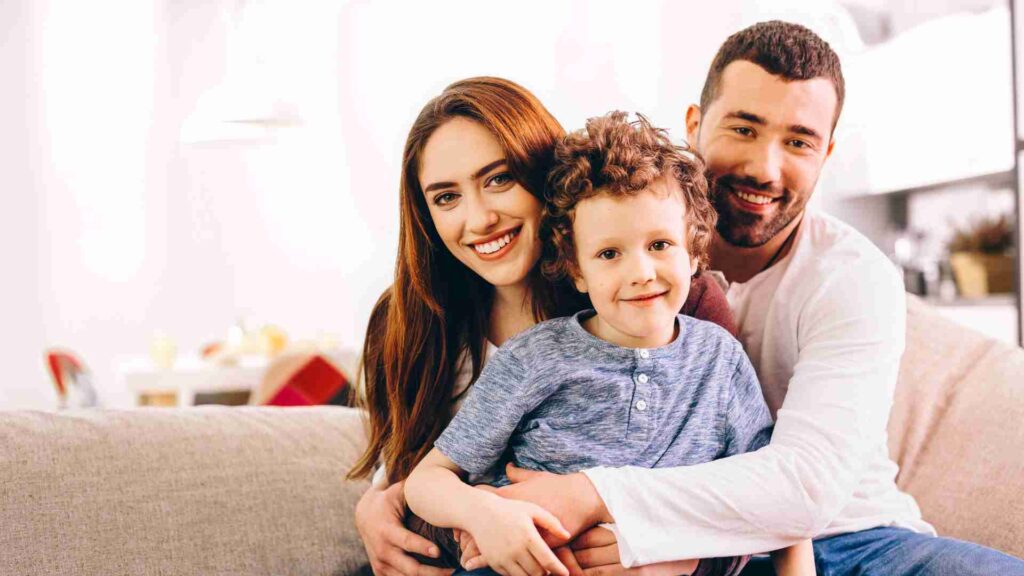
[487, 168]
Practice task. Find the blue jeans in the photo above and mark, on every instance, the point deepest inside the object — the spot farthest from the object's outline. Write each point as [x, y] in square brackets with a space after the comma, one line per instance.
[899, 552]
[888, 552]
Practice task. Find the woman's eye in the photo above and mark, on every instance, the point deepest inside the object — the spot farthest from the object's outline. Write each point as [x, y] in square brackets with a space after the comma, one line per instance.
[607, 254]
[660, 245]
[445, 198]
[501, 179]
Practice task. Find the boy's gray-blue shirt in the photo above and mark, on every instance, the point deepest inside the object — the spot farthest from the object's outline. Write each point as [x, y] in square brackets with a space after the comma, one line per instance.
[558, 398]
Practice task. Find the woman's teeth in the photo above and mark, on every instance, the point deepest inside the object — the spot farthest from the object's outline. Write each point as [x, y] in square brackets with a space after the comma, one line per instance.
[495, 245]
[754, 198]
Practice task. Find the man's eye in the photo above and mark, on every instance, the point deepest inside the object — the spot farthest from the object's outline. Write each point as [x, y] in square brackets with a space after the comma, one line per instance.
[743, 131]
[660, 245]
[607, 255]
[799, 144]
[445, 198]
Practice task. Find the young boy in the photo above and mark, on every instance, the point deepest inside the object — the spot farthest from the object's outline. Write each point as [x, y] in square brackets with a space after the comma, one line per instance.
[630, 383]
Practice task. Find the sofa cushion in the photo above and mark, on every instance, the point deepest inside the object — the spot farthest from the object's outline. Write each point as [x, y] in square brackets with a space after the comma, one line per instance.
[209, 490]
[956, 430]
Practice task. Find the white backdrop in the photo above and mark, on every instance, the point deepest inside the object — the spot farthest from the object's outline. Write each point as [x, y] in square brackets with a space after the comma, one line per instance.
[130, 207]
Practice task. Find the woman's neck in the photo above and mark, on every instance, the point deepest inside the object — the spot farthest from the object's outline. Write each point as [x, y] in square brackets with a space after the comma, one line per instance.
[511, 313]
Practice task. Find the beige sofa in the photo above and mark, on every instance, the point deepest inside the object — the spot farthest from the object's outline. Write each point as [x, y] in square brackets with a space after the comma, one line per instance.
[261, 491]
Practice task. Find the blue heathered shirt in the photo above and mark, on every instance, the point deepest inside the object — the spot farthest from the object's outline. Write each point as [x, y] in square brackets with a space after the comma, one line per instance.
[560, 399]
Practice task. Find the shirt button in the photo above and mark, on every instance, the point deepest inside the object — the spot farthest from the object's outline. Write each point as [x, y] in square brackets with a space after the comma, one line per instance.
[641, 405]
[645, 354]
[643, 378]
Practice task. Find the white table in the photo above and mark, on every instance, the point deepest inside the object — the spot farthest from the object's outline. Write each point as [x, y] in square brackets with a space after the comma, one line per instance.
[190, 375]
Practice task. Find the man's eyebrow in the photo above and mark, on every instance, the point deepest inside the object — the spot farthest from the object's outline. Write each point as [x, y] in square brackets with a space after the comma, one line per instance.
[484, 170]
[801, 129]
[748, 116]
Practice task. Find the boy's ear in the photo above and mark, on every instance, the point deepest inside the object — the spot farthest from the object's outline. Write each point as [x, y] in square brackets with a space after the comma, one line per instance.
[694, 262]
[581, 284]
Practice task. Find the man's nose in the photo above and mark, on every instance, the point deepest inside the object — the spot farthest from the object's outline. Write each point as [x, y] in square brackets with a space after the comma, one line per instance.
[764, 163]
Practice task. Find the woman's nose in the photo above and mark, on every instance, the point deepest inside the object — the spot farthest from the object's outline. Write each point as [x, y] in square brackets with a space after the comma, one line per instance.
[481, 217]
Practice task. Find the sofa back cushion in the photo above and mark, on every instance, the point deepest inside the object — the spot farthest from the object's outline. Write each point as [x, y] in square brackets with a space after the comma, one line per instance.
[209, 490]
[957, 430]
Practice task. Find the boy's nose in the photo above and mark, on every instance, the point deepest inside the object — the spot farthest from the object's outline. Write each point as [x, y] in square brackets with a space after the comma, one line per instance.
[642, 270]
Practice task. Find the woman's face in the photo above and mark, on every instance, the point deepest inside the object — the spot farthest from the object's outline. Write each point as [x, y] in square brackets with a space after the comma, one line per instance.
[487, 220]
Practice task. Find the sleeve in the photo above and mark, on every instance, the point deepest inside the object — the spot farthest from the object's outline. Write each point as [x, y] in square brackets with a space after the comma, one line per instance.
[478, 435]
[851, 338]
[707, 301]
[748, 423]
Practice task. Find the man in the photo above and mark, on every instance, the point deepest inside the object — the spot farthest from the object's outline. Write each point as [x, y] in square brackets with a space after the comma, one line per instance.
[821, 314]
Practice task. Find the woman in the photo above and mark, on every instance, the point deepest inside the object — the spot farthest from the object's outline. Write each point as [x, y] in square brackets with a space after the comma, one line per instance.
[467, 278]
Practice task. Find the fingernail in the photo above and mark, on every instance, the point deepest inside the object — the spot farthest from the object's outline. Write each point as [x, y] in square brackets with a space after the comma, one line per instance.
[433, 551]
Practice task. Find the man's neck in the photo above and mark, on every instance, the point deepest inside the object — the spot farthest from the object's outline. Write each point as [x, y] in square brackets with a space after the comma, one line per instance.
[740, 264]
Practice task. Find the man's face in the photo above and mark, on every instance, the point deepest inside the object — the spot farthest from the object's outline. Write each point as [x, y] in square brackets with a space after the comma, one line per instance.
[765, 141]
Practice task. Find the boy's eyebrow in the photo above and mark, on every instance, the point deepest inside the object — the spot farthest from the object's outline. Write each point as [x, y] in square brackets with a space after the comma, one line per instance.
[484, 170]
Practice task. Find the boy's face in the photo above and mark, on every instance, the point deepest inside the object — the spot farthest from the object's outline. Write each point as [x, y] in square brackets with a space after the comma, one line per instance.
[634, 263]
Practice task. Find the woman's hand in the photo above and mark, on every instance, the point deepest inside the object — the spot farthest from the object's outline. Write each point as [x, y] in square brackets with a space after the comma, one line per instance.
[507, 534]
[597, 553]
[379, 516]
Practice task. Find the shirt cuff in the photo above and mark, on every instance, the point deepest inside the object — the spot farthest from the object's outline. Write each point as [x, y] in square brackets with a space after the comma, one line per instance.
[603, 480]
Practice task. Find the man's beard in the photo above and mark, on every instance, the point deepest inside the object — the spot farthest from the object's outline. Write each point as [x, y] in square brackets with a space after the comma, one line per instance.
[745, 229]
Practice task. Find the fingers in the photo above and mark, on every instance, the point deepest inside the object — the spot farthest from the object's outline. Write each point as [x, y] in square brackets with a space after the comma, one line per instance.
[398, 535]
[546, 520]
[469, 553]
[545, 558]
[568, 559]
[611, 570]
[517, 474]
[594, 538]
[600, 556]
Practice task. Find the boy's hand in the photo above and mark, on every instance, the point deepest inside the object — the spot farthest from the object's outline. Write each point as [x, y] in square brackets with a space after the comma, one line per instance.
[507, 535]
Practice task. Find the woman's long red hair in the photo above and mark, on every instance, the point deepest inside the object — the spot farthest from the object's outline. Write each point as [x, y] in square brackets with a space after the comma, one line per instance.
[437, 310]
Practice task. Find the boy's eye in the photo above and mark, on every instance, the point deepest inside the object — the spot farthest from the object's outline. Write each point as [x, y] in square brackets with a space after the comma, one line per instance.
[445, 198]
[660, 245]
[607, 254]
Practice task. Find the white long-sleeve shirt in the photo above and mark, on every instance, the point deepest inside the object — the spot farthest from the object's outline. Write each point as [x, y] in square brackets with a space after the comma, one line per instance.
[824, 329]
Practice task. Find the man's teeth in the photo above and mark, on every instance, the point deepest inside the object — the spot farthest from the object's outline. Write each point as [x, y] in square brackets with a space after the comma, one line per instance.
[495, 245]
[754, 198]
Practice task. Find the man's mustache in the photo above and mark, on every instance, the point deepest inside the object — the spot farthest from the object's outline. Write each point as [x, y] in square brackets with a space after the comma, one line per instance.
[731, 181]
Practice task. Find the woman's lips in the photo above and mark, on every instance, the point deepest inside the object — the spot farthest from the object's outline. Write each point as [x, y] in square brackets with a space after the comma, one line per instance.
[512, 237]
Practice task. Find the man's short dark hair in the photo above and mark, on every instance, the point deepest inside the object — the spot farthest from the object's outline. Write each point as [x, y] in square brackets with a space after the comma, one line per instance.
[781, 49]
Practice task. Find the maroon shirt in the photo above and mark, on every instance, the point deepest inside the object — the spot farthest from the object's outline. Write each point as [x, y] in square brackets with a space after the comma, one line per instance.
[706, 301]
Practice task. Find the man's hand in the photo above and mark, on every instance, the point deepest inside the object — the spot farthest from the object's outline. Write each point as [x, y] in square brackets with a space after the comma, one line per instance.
[597, 553]
[571, 497]
[379, 516]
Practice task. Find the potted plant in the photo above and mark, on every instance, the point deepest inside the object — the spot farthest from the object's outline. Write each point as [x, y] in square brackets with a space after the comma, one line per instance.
[981, 259]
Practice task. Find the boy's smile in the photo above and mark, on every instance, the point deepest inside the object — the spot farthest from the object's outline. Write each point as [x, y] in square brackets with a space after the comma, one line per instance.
[634, 263]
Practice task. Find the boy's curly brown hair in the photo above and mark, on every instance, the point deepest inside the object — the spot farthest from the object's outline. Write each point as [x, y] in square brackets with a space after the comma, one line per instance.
[615, 156]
